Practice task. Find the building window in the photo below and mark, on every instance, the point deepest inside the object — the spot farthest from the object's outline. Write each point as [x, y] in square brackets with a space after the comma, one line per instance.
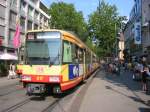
[34, 2]
[2, 31]
[13, 3]
[11, 34]
[35, 26]
[36, 15]
[2, 12]
[29, 25]
[41, 18]
[30, 11]
[23, 6]
[12, 17]
[22, 23]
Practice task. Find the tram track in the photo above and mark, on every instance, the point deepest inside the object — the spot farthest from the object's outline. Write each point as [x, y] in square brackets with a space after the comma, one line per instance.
[56, 102]
[16, 106]
[10, 89]
[50, 107]
[49, 103]
[9, 92]
[31, 99]
[10, 85]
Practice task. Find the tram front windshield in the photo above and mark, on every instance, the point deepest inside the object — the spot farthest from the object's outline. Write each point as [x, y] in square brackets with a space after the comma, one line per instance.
[43, 48]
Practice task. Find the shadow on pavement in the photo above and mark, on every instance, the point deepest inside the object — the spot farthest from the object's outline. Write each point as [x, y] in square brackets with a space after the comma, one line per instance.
[37, 98]
[136, 99]
[144, 109]
[124, 80]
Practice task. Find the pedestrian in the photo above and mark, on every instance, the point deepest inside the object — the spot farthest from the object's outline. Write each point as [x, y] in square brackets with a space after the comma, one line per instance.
[11, 73]
[145, 74]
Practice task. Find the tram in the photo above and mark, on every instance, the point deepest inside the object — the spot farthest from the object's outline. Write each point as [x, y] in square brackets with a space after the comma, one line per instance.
[55, 60]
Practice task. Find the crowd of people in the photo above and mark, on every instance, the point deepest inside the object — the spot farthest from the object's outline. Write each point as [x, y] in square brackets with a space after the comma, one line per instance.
[139, 68]
[142, 68]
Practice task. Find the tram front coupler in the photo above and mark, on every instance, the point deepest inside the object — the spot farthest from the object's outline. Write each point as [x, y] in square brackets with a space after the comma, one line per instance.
[35, 89]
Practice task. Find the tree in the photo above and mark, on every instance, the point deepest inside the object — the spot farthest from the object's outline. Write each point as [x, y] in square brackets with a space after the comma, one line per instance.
[65, 17]
[104, 24]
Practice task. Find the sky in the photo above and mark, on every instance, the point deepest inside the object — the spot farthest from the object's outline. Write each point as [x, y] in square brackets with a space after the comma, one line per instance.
[88, 6]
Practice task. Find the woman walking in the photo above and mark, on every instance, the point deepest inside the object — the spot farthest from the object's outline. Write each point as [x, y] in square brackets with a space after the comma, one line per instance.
[145, 74]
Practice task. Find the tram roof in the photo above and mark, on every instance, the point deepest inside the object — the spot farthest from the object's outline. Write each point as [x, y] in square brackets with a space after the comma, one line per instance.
[69, 33]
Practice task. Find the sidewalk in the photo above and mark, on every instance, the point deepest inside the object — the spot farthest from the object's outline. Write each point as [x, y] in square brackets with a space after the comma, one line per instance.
[111, 93]
[6, 82]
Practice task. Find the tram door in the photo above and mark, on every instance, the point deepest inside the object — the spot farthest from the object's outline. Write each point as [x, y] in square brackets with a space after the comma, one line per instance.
[84, 65]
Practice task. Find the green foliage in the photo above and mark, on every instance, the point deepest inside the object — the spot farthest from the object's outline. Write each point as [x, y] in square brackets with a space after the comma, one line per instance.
[90, 44]
[65, 17]
[104, 24]
[3, 68]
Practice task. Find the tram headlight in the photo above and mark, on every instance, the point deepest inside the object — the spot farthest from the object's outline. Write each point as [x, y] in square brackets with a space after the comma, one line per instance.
[54, 79]
[26, 78]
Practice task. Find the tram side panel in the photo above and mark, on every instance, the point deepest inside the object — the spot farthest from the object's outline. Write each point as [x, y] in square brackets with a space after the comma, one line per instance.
[73, 57]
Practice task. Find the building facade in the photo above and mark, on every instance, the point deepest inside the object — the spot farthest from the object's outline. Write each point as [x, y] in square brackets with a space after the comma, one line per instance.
[31, 14]
[146, 25]
[137, 30]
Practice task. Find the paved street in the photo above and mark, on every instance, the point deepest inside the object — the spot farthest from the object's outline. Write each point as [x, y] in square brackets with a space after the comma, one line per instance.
[102, 93]
[111, 93]
[13, 98]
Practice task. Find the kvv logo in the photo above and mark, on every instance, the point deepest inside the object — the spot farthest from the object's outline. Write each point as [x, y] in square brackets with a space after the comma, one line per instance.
[75, 71]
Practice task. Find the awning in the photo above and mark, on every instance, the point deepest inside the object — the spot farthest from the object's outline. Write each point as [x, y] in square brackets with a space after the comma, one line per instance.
[8, 56]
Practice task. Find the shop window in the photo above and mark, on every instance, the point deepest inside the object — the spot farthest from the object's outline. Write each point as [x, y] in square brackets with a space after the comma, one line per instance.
[10, 50]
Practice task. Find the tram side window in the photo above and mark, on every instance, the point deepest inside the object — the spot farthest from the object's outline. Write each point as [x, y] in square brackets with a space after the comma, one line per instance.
[87, 57]
[80, 55]
[67, 52]
[94, 59]
[75, 57]
[77, 54]
[74, 53]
